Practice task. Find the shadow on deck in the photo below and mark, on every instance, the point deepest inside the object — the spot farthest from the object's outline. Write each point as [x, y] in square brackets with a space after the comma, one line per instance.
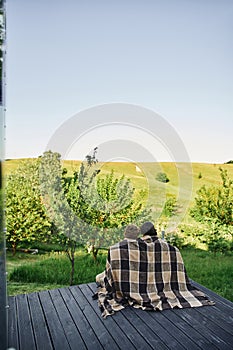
[68, 318]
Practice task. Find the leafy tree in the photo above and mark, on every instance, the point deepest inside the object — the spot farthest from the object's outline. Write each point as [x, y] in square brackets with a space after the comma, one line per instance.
[214, 207]
[85, 208]
[169, 210]
[65, 225]
[215, 203]
[170, 207]
[26, 218]
[162, 177]
[105, 206]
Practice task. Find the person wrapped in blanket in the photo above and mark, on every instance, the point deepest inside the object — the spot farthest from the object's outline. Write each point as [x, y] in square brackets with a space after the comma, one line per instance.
[146, 273]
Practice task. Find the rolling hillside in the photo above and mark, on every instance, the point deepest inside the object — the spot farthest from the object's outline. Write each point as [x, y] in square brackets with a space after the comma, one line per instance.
[184, 179]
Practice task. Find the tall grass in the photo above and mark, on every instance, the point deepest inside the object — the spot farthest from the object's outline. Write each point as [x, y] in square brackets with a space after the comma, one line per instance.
[215, 271]
[55, 269]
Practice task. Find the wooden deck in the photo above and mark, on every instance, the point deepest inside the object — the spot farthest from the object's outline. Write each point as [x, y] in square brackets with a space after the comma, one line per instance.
[68, 318]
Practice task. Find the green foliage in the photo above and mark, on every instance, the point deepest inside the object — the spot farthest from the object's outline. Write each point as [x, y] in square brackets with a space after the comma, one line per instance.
[211, 236]
[174, 239]
[65, 225]
[219, 238]
[55, 269]
[170, 207]
[162, 177]
[86, 208]
[193, 234]
[200, 175]
[26, 217]
[106, 205]
[215, 203]
[211, 270]
[214, 208]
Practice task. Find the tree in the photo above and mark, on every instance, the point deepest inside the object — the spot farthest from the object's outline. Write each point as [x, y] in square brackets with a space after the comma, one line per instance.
[86, 208]
[103, 204]
[215, 203]
[26, 218]
[65, 223]
[162, 177]
[214, 207]
[170, 207]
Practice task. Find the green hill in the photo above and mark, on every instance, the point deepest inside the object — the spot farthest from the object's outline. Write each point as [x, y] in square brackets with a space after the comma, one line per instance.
[184, 179]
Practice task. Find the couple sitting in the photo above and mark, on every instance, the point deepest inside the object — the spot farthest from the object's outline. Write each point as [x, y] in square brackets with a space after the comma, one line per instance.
[146, 273]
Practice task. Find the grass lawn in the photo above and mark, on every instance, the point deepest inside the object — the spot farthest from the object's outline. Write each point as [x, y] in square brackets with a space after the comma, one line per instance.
[213, 270]
[28, 273]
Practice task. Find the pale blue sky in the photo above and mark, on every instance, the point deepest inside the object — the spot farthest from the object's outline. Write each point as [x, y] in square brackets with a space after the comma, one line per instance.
[172, 56]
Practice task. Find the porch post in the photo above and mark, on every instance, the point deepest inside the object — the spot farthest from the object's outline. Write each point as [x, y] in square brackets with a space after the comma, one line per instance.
[3, 292]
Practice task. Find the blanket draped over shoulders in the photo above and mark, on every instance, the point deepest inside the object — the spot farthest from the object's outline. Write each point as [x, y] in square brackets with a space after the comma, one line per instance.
[146, 273]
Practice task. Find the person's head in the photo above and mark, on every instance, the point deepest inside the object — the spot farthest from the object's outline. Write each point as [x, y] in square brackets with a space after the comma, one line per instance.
[131, 231]
[148, 229]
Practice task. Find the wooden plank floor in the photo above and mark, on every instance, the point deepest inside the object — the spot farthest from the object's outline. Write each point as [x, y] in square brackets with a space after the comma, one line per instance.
[68, 318]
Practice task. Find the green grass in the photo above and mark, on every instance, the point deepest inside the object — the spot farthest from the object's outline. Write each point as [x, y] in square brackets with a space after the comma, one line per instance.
[15, 288]
[214, 271]
[33, 273]
[51, 270]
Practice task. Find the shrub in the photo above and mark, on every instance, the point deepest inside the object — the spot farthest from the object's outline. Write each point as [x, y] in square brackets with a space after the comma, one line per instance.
[175, 240]
[170, 207]
[162, 177]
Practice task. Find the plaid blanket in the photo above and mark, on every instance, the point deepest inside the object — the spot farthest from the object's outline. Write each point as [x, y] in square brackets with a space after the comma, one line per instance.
[146, 273]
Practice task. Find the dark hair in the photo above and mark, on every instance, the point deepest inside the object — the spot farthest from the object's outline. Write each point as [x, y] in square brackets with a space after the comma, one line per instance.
[148, 229]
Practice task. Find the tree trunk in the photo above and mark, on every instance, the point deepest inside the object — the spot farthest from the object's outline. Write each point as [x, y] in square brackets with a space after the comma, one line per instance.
[14, 246]
[95, 253]
[72, 270]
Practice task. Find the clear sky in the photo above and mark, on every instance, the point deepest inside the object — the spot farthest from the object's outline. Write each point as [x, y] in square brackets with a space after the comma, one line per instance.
[174, 57]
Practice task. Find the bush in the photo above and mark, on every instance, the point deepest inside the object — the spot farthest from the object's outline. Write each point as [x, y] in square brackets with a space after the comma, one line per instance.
[170, 207]
[162, 177]
[214, 204]
[175, 240]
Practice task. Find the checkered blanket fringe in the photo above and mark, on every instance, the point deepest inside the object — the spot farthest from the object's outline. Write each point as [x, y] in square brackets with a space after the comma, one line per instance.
[147, 273]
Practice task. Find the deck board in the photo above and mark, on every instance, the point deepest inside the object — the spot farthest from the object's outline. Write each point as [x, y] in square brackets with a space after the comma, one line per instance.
[25, 324]
[68, 318]
[131, 330]
[12, 323]
[88, 335]
[119, 336]
[38, 320]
